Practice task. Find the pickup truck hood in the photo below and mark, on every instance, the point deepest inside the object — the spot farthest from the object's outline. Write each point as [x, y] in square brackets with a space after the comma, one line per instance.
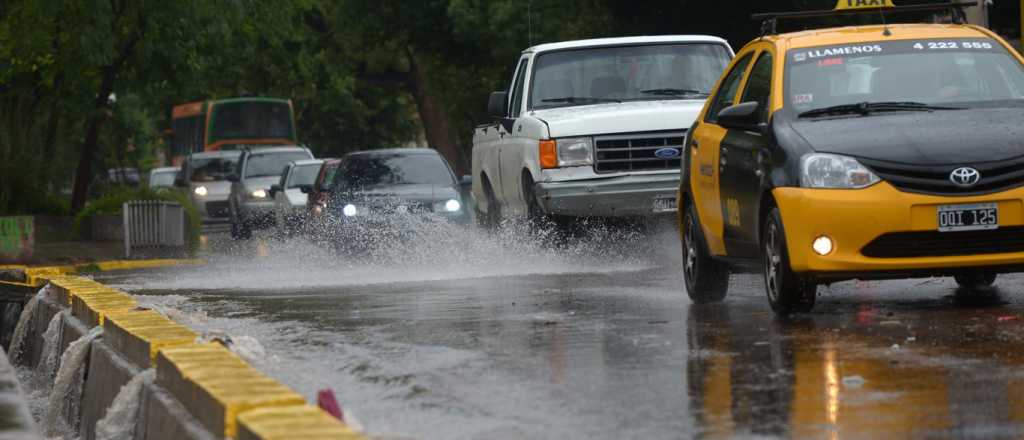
[947, 137]
[625, 117]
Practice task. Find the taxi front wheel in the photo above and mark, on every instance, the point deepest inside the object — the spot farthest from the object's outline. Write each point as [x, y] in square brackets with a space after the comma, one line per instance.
[707, 280]
[976, 281]
[788, 292]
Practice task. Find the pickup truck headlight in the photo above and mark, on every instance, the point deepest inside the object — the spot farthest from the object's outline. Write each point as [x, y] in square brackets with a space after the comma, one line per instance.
[821, 170]
[573, 152]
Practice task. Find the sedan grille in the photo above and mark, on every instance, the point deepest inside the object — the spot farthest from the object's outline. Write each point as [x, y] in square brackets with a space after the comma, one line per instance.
[995, 176]
[615, 154]
[946, 244]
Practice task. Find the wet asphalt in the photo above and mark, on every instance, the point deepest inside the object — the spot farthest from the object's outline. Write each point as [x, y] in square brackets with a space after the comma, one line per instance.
[617, 352]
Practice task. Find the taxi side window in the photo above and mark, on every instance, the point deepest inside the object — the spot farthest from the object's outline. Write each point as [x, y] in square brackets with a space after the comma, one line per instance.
[759, 85]
[727, 92]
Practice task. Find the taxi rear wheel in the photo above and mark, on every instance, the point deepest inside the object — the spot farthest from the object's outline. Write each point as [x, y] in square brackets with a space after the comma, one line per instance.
[787, 291]
[976, 281]
[707, 280]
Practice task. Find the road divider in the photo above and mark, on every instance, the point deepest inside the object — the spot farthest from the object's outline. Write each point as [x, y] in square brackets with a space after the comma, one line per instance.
[202, 390]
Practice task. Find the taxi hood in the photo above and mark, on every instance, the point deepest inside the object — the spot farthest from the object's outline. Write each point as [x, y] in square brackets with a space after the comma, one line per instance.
[943, 137]
[625, 117]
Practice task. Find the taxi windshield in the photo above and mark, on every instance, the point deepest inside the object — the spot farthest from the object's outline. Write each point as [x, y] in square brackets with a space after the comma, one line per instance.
[954, 72]
[627, 73]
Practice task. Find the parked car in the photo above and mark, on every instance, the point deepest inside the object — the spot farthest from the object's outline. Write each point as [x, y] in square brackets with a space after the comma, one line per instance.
[163, 177]
[864, 152]
[593, 128]
[124, 176]
[290, 194]
[258, 168]
[319, 193]
[374, 190]
[205, 177]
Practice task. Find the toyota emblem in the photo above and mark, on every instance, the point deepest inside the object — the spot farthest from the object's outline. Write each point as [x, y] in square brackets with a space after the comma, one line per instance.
[965, 176]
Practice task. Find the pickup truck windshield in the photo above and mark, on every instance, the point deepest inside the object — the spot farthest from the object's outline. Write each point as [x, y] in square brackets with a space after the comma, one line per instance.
[364, 170]
[626, 73]
[927, 73]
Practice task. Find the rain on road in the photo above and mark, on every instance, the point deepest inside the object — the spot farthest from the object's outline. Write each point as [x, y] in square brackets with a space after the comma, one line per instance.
[512, 340]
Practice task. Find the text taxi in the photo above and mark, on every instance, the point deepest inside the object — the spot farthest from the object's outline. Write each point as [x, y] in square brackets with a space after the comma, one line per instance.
[859, 152]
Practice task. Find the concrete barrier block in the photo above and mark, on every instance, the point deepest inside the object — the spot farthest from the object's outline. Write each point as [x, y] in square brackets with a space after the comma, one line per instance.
[16, 422]
[91, 306]
[291, 422]
[109, 371]
[139, 334]
[162, 417]
[216, 386]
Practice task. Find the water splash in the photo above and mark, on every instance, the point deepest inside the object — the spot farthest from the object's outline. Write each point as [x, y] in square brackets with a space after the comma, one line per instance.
[17, 349]
[119, 421]
[51, 344]
[62, 409]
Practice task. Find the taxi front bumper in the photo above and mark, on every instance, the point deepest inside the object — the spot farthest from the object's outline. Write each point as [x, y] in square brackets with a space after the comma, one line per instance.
[906, 224]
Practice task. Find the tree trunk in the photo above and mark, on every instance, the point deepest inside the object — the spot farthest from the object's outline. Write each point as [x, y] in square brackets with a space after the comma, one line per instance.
[436, 124]
[83, 174]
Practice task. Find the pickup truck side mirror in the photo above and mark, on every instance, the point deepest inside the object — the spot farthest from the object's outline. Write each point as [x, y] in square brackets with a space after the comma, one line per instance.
[742, 116]
[274, 189]
[306, 189]
[497, 105]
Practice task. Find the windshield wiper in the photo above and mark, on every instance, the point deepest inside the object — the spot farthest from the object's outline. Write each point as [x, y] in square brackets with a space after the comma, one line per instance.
[864, 108]
[580, 99]
[675, 92]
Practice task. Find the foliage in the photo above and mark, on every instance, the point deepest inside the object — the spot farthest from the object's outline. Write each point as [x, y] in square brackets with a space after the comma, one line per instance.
[113, 201]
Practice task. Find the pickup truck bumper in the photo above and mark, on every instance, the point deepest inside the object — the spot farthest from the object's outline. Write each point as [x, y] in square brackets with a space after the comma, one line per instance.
[614, 196]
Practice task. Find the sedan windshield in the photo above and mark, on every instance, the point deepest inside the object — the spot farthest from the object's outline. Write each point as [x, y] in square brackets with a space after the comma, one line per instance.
[272, 164]
[303, 175]
[211, 169]
[626, 73]
[923, 73]
[361, 170]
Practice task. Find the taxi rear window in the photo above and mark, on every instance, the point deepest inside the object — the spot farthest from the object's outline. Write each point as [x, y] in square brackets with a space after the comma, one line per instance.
[931, 71]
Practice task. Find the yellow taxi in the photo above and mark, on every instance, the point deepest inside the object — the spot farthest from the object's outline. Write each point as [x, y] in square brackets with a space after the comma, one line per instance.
[867, 152]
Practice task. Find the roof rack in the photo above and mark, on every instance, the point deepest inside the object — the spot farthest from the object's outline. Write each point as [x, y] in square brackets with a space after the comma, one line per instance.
[769, 20]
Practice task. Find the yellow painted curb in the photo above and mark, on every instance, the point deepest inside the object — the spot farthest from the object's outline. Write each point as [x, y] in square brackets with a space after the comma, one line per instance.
[291, 422]
[139, 334]
[38, 275]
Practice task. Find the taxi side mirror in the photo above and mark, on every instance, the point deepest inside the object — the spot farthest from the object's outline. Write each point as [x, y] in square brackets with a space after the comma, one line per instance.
[742, 116]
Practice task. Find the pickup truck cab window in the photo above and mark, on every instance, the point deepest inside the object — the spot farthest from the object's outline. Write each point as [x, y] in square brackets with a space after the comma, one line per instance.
[517, 90]
[626, 73]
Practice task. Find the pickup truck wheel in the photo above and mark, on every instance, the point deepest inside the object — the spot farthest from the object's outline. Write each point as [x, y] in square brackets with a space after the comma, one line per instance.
[706, 280]
[492, 218]
[534, 213]
[787, 291]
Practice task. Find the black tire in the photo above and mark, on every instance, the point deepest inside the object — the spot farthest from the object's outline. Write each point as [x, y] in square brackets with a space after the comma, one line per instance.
[787, 291]
[975, 280]
[534, 212]
[492, 218]
[706, 280]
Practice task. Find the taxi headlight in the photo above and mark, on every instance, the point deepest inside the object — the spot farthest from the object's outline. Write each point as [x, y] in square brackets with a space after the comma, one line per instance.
[820, 170]
[575, 152]
[201, 191]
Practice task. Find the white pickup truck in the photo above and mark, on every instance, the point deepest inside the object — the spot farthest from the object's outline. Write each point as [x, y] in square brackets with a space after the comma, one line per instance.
[593, 128]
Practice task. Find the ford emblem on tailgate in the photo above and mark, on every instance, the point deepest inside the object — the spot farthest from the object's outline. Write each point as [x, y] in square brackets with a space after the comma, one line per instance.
[667, 153]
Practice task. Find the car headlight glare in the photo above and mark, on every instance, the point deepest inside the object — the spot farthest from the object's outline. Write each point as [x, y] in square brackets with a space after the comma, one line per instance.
[452, 206]
[575, 152]
[349, 210]
[201, 191]
[259, 194]
[821, 170]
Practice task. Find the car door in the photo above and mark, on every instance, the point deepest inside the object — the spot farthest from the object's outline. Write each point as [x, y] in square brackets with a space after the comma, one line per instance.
[704, 144]
[514, 143]
[744, 154]
[281, 202]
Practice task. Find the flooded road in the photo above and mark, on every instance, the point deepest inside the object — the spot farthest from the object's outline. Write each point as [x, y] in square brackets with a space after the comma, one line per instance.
[566, 344]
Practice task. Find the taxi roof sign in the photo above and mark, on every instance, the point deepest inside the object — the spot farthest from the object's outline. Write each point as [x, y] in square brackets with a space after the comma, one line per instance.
[769, 20]
[842, 5]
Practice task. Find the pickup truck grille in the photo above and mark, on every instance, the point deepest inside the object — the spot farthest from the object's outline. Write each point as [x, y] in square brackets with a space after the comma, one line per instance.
[615, 154]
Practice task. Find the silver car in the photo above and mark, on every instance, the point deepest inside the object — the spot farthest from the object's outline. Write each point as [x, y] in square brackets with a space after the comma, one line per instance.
[258, 169]
[289, 195]
[163, 177]
[206, 176]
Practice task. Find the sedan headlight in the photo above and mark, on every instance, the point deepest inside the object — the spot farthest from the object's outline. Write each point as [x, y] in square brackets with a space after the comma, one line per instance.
[575, 152]
[259, 194]
[349, 210]
[201, 191]
[451, 205]
[820, 170]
